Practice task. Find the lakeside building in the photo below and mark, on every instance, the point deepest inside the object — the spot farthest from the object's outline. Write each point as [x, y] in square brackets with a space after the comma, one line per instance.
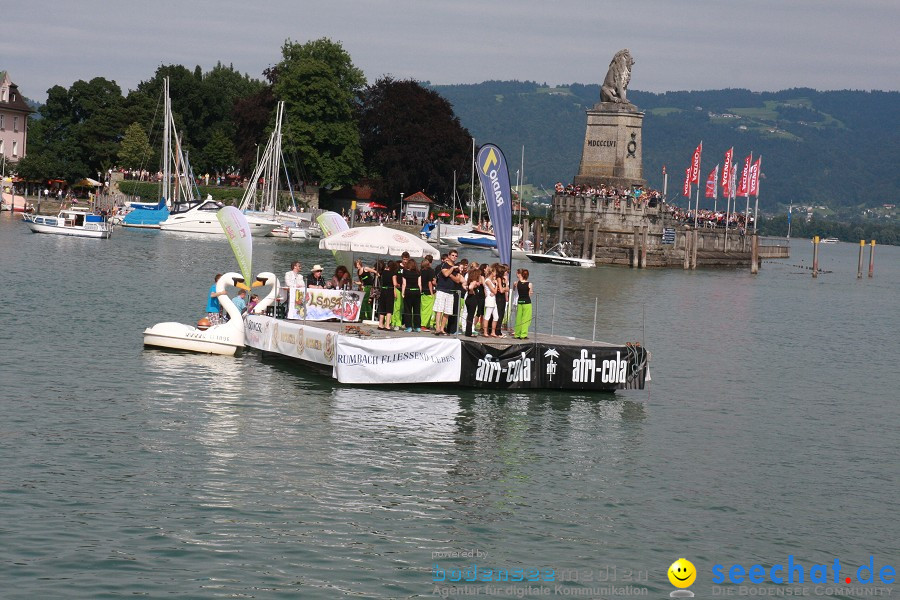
[14, 113]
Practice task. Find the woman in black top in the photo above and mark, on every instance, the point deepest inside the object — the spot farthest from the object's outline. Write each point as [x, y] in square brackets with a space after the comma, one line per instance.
[411, 290]
[523, 310]
[474, 297]
[386, 293]
[427, 304]
[367, 276]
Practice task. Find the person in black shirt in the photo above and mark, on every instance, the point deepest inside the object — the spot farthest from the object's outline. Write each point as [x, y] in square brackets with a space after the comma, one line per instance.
[523, 310]
[366, 277]
[315, 279]
[473, 298]
[427, 280]
[386, 293]
[411, 290]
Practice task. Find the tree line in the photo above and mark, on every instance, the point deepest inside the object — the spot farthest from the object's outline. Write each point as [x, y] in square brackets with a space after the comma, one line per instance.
[396, 135]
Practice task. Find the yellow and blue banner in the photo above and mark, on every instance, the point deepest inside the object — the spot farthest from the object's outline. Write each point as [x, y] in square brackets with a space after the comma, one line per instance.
[494, 175]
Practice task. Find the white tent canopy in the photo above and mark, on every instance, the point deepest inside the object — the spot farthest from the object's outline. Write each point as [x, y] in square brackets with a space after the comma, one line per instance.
[378, 240]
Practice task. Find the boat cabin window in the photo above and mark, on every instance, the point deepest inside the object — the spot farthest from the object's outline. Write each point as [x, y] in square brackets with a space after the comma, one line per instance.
[211, 206]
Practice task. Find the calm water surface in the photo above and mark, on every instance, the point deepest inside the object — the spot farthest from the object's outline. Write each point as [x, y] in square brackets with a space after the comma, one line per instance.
[769, 429]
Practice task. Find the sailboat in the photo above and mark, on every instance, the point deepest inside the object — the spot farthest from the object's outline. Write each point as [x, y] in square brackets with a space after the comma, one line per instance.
[262, 195]
[149, 215]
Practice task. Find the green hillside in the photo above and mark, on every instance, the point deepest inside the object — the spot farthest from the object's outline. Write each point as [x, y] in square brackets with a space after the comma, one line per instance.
[838, 148]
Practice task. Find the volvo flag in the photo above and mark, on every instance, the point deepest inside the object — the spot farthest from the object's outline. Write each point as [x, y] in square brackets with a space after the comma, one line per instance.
[494, 175]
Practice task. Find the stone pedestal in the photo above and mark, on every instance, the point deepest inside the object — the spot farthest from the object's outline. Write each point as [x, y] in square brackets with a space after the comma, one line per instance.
[612, 152]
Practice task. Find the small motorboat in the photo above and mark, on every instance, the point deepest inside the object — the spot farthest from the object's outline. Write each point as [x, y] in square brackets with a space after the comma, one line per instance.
[560, 255]
[830, 240]
[71, 221]
[479, 241]
[226, 338]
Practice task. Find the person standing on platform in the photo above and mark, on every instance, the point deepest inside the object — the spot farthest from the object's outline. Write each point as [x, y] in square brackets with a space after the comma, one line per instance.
[523, 311]
[397, 315]
[490, 317]
[474, 296]
[411, 292]
[366, 277]
[213, 306]
[501, 277]
[447, 278]
[386, 294]
[426, 276]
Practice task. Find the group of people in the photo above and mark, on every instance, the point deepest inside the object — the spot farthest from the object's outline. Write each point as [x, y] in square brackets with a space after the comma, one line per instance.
[214, 313]
[713, 218]
[415, 296]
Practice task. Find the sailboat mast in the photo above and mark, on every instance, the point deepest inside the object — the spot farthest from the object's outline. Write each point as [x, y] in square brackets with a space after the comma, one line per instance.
[472, 186]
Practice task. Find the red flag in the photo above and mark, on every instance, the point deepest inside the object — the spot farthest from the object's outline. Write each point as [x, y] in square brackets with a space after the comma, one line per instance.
[754, 177]
[687, 183]
[695, 165]
[726, 173]
[744, 185]
[712, 188]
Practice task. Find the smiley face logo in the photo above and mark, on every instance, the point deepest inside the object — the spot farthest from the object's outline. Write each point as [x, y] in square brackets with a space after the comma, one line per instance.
[682, 573]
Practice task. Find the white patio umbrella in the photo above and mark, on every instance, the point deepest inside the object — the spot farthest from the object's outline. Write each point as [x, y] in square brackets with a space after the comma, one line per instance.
[378, 240]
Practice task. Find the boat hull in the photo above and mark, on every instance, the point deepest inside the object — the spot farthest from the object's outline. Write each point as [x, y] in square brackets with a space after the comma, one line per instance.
[222, 339]
[213, 227]
[69, 231]
[562, 260]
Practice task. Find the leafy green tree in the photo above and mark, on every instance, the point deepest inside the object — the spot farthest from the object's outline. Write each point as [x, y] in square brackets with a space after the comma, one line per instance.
[219, 155]
[412, 140]
[319, 85]
[135, 151]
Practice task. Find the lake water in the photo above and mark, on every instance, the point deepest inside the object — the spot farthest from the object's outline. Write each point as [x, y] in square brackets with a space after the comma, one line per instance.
[769, 429]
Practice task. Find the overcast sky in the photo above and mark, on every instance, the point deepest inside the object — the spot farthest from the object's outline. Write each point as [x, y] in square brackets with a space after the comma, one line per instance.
[677, 44]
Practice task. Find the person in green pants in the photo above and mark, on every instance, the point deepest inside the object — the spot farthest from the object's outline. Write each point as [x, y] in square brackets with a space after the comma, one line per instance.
[397, 315]
[427, 294]
[523, 310]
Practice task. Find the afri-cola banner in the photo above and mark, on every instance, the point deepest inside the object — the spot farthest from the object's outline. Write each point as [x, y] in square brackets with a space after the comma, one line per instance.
[494, 175]
[498, 367]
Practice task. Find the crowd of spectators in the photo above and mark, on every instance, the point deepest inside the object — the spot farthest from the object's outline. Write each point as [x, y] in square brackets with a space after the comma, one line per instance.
[639, 198]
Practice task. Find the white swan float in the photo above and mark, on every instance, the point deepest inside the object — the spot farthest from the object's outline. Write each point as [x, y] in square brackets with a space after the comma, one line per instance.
[226, 338]
[263, 279]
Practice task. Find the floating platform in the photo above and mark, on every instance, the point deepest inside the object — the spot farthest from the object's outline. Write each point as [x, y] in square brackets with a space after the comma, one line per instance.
[355, 353]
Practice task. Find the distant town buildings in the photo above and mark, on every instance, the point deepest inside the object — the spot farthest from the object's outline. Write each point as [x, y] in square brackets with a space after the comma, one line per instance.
[14, 113]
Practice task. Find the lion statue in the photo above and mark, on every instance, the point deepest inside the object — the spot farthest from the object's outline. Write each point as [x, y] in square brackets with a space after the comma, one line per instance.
[617, 78]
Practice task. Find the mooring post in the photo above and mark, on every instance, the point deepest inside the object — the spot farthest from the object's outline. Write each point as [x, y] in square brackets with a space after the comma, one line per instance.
[586, 240]
[636, 255]
[594, 241]
[872, 259]
[754, 254]
[694, 249]
[862, 244]
[562, 228]
[687, 249]
[645, 234]
[815, 256]
[594, 334]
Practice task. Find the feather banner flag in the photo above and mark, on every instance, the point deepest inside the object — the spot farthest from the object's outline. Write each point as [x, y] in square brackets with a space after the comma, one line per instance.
[695, 164]
[726, 173]
[237, 230]
[753, 189]
[712, 183]
[494, 175]
[744, 186]
[330, 222]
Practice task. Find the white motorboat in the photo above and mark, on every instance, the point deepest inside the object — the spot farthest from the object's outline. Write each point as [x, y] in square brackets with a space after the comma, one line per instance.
[71, 221]
[830, 240]
[226, 338]
[201, 218]
[559, 255]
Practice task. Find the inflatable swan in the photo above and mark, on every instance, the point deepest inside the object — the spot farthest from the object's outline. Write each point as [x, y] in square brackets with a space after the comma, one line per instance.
[263, 279]
[226, 338]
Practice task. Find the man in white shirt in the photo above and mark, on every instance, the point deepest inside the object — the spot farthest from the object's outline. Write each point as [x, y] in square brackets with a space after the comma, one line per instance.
[293, 279]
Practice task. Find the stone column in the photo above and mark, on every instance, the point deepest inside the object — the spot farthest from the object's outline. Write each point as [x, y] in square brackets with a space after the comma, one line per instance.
[636, 254]
[594, 240]
[754, 254]
[687, 249]
[645, 233]
[696, 242]
[562, 228]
